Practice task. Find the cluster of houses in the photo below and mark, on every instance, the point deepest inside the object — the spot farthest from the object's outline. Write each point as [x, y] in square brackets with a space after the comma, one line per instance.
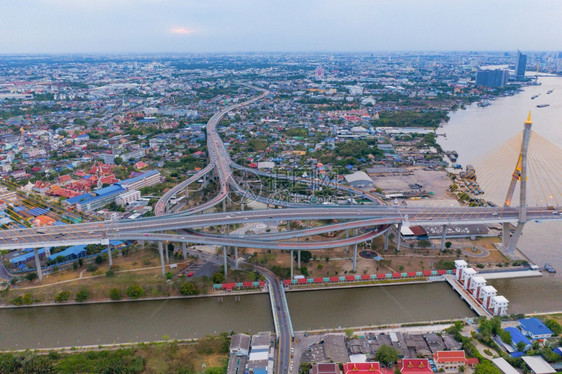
[251, 355]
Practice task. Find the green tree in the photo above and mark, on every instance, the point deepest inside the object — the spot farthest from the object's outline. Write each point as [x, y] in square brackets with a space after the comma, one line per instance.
[118, 160]
[554, 326]
[218, 277]
[135, 291]
[115, 294]
[188, 288]
[448, 245]
[505, 336]
[82, 295]
[31, 276]
[62, 296]
[486, 367]
[496, 323]
[306, 256]
[387, 355]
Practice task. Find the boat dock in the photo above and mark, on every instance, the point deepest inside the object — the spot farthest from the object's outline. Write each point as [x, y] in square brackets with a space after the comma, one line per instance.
[466, 296]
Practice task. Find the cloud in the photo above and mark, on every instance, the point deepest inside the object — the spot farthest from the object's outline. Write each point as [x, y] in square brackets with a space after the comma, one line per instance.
[180, 30]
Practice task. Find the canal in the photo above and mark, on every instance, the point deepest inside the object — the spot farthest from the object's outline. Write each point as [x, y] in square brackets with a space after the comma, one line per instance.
[93, 324]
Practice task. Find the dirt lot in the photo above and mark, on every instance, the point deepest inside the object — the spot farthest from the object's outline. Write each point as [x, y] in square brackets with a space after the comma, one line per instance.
[436, 181]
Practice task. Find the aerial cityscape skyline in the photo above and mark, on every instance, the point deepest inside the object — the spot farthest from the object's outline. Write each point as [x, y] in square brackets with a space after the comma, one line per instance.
[280, 187]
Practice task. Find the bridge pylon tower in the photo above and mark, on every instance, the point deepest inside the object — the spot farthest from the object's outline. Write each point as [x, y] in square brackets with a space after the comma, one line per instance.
[519, 175]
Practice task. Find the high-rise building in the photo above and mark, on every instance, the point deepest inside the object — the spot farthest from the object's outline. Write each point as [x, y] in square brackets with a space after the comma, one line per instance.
[559, 63]
[520, 65]
[492, 78]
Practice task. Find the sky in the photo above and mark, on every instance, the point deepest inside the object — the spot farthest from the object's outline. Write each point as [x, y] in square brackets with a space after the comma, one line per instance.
[186, 26]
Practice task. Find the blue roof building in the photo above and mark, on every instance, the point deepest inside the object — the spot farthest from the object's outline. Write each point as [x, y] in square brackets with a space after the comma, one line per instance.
[79, 198]
[109, 190]
[71, 253]
[517, 336]
[534, 328]
[105, 196]
[37, 211]
[22, 259]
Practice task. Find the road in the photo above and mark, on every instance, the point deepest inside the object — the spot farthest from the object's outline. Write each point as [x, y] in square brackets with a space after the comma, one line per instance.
[362, 216]
[284, 319]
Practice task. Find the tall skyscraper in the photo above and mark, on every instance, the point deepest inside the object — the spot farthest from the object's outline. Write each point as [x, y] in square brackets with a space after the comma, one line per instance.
[492, 78]
[520, 65]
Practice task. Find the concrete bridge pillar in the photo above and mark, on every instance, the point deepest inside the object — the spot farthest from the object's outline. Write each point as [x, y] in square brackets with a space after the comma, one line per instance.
[225, 258]
[161, 252]
[167, 253]
[398, 237]
[298, 257]
[109, 247]
[443, 238]
[355, 253]
[505, 234]
[355, 257]
[224, 206]
[184, 251]
[38, 264]
[292, 253]
[236, 258]
[386, 239]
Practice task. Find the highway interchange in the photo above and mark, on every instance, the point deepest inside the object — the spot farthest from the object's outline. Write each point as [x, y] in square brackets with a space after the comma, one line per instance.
[373, 218]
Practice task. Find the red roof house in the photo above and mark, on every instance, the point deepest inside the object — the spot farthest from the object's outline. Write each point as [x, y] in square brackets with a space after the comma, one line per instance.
[362, 368]
[448, 360]
[414, 366]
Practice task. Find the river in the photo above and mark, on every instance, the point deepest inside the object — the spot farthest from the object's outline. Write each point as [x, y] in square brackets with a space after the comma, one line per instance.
[473, 132]
[93, 324]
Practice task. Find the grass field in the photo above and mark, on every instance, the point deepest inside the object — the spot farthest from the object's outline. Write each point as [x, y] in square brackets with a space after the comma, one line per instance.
[170, 357]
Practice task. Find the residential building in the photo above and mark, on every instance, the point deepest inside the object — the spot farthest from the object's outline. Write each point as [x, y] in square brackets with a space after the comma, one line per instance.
[451, 361]
[414, 366]
[518, 337]
[362, 368]
[330, 368]
[492, 78]
[104, 196]
[150, 178]
[520, 65]
[128, 197]
[240, 344]
[534, 328]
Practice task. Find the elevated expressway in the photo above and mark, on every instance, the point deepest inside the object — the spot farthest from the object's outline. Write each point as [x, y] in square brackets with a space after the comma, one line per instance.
[359, 216]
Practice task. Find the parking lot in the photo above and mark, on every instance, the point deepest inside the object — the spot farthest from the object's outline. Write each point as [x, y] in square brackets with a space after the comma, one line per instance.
[430, 180]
